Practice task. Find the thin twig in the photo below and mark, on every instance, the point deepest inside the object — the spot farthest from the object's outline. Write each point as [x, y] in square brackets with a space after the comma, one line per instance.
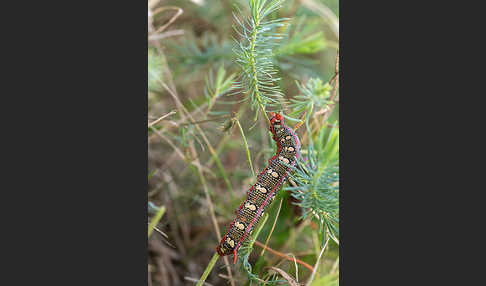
[248, 156]
[333, 92]
[176, 15]
[165, 236]
[161, 232]
[155, 220]
[335, 266]
[284, 255]
[195, 280]
[273, 227]
[335, 77]
[285, 275]
[296, 268]
[317, 263]
[177, 150]
[157, 37]
[207, 120]
[160, 118]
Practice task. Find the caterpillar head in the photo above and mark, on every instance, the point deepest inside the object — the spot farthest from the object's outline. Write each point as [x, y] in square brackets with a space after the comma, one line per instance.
[276, 121]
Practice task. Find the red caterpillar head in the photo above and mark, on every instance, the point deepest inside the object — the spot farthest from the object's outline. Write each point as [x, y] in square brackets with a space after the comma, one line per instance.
[276, 121]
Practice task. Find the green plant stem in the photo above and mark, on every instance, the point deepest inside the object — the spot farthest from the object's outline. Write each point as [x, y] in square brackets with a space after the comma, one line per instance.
[246, 147]
[257, 231]
[222, 171]
[252, 242]
[206, 272]
[253, 66]
[273, 227]
[155, 220]
[263, 109]
[218, 150]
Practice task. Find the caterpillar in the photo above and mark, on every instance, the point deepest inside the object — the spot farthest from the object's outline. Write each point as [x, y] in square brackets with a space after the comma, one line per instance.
[262, 193]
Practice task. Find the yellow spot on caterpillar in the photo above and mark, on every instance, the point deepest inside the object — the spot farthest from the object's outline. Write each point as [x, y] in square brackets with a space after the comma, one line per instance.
[283, 159]
[269, 171]
[261, 189]
[288, 137]
[274, 174]
[291, 149]
[240, 226]
[250, 206]
[230, 242]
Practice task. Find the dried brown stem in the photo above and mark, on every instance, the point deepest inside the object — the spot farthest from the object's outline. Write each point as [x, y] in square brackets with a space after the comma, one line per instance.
[161, 118]
[171, 20]
[284, 256]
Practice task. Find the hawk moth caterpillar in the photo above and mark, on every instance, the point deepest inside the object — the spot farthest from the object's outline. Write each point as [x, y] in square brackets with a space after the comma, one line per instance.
[262, 193]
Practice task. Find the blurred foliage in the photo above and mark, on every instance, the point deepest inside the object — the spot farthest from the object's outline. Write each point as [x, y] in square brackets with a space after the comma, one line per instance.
[194, 54]
[315, 94]
[303, 39]
[155, 63]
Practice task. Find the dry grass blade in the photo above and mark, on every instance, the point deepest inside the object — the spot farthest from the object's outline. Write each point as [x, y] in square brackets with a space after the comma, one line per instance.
[176, 15]
[192, 149]
[335, 266]
[284, 255]
[195, 281]
[296, 269]
[161, 118]
[334, 89]
[157, 37]
[155, 220]
[285, 275]
[177, 150]
[153, 3]
[161, 232]
[317, 264]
